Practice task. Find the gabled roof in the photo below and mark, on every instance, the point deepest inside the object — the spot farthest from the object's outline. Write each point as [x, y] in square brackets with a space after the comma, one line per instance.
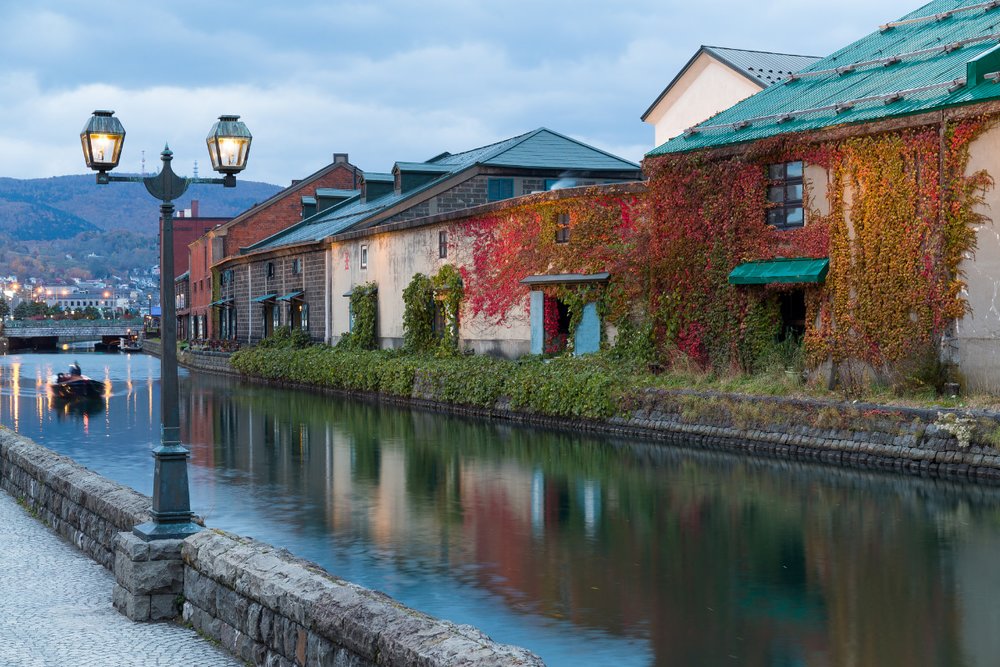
[540, 149]
[281, 194]
[762, 67]
[933, 58]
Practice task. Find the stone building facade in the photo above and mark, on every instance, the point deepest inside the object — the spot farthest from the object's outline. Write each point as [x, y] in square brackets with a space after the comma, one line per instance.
[390, 230]
[213, 314]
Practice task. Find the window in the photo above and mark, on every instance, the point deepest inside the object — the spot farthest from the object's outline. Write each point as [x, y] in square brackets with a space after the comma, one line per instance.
[297, 265]
[784, 195]
[304, 316]
[562, 228]
[442, 244]
[364, 257]
[269, 269]
[499, 188]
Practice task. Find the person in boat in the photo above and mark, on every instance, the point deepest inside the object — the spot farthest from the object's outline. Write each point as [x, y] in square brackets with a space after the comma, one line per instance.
[74, 372]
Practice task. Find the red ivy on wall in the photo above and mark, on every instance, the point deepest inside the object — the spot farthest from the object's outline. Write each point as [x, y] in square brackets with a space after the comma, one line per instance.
[899, 221]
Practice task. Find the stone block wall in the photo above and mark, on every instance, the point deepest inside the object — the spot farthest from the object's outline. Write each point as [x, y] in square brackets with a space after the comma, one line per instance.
[205, 360]
[268, 607]
[85, 508]
[264, 605]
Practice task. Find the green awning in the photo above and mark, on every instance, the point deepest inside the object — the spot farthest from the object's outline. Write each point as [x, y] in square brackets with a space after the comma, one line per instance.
[798, 270]
[290, 296]
[221, 302]
[266, 297]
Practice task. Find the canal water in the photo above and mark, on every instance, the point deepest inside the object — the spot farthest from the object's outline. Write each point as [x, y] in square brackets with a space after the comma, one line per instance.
[589, 551]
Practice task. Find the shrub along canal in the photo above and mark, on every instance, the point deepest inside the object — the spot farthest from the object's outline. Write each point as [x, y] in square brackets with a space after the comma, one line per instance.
[586, 550]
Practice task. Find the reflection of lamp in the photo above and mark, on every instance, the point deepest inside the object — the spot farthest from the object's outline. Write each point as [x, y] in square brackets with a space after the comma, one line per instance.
[229, 147]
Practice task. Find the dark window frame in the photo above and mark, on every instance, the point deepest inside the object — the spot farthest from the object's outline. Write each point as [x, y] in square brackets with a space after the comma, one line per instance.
[269, 270]
[562, 228]
[443, 244]
[499, 189]
[363, 257]
[785, 186]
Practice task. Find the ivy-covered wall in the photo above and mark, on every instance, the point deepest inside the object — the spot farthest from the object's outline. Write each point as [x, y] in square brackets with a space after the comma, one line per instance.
[896, 220]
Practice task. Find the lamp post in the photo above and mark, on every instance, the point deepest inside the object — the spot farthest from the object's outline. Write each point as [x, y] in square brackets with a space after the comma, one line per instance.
[228, 146]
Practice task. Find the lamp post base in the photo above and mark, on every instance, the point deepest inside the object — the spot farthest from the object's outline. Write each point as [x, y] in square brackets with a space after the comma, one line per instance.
[152, 531]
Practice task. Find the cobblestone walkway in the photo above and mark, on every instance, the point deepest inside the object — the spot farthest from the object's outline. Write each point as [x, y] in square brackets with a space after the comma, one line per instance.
[55, 608]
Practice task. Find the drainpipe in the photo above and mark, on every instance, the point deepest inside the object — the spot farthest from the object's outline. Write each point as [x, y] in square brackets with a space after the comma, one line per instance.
[249, 317]
[327, 293]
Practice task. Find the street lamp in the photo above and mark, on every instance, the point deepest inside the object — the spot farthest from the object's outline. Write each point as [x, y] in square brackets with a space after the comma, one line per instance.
[229, 146]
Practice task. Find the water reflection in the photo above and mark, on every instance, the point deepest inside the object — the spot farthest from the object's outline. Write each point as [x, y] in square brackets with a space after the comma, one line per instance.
[588, 551]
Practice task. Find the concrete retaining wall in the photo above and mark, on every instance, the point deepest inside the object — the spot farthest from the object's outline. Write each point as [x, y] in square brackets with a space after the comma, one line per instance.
[77, 503]
[263, 604]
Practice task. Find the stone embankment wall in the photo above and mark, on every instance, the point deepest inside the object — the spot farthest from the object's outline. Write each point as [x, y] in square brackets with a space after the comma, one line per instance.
[200, 360]
[263, 604]
[268, 607]
[77, 503]
[960, 444]
[953, 443]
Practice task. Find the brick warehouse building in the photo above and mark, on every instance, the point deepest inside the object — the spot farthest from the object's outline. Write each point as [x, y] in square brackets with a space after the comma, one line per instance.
[211, 317]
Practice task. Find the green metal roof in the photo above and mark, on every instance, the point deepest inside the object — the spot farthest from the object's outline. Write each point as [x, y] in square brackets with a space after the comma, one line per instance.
[266, 297]
[539, 149]
[334, 192]
[798, 270]
[932, 58]
[290, 296]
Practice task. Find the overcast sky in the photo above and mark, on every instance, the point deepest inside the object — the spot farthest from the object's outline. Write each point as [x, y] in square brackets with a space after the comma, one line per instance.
[380, 80]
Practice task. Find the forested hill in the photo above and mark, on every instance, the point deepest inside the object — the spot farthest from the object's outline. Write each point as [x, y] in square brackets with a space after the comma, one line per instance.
[63, 206]
[70, 227]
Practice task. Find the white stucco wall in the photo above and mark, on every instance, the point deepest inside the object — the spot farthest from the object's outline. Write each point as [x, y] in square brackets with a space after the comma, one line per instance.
[978, 334]
[705, 89]
[393, 259]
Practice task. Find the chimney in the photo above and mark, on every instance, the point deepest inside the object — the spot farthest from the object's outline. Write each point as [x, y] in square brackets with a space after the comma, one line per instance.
[194, 208]
[339, 158]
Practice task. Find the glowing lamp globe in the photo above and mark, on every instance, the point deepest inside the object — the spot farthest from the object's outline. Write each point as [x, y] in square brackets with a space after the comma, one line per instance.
[229, 145]
[102, 138]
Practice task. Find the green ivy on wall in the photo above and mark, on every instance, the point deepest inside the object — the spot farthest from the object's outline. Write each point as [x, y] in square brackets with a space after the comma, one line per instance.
[364, 310]
[418, 314]
[449, 292]
[421, 298]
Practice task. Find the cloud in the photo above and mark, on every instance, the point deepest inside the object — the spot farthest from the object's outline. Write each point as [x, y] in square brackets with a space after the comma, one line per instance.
[389, 81]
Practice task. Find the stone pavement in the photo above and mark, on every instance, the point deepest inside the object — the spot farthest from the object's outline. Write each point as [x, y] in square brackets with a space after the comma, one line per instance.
[55, 608]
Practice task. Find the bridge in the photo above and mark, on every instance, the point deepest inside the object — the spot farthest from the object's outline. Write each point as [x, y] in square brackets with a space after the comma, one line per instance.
[47, 334]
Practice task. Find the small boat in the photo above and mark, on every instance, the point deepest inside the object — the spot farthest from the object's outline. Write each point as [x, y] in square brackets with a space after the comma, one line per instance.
[75, 384]
[130, 342]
